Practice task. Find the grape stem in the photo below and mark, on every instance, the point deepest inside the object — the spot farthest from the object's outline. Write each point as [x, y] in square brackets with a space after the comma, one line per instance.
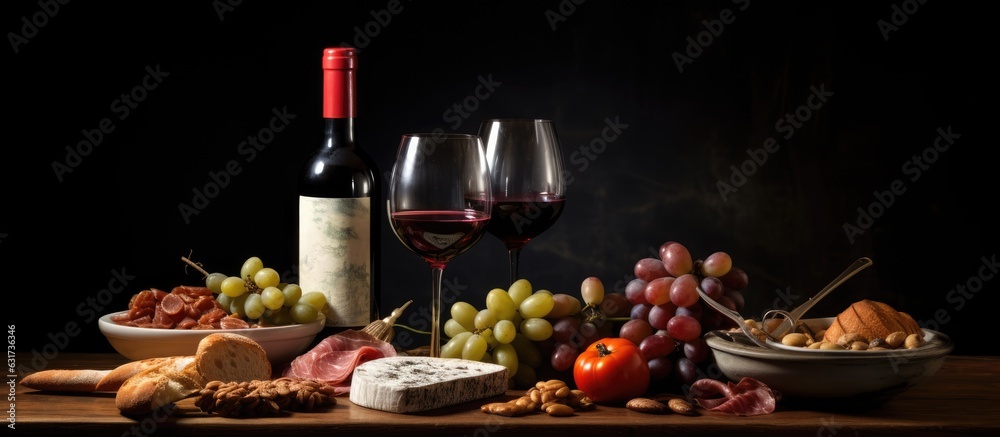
[411, 329]
[197, 266]
[592, 314]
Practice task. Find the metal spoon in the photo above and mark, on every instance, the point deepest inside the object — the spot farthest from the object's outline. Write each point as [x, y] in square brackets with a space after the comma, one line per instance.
[791, 319]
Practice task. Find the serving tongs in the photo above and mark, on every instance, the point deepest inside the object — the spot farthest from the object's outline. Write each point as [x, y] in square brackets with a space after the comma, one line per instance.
[789, 320]
[735, 317]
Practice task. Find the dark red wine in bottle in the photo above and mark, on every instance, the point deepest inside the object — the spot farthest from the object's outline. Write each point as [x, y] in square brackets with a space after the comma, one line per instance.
[339, 204]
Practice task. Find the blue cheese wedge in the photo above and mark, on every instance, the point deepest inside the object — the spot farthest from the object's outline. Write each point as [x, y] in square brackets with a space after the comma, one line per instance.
[404, 384]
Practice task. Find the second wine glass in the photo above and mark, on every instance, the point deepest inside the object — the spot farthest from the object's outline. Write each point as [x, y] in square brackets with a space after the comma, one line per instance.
[439, 203]
[526, 168]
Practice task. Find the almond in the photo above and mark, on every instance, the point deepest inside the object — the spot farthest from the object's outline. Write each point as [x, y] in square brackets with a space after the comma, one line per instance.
[680, 406]
[648, 406]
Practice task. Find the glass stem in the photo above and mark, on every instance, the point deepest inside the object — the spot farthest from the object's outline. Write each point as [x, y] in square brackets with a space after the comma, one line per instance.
[513, 255]
[436, 274]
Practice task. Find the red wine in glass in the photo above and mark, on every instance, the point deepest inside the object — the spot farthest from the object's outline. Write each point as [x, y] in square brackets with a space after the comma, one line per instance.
[518, 219]
[439, 236]
[440, 199]
[526, 170]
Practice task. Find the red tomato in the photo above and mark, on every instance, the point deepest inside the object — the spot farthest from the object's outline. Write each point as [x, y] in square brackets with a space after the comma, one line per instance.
[612, 370]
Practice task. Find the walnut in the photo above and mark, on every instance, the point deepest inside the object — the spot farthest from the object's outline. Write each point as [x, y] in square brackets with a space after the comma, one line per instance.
[264, 398]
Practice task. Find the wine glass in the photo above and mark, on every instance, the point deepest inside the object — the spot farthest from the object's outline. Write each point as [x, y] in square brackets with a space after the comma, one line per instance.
[529, 193]
[439, 203]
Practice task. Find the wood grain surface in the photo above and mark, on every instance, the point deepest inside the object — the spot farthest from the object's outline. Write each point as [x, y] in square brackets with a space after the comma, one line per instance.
[963, 398]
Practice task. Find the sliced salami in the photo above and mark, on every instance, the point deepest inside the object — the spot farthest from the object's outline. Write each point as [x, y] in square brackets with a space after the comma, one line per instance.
[172, 304]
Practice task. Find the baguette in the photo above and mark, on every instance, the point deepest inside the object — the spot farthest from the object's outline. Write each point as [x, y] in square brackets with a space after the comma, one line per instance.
[88, 380]
[65, 380]
[220, 357]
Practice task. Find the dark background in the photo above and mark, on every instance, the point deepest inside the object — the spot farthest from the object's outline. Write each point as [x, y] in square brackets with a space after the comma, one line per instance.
[226, 69]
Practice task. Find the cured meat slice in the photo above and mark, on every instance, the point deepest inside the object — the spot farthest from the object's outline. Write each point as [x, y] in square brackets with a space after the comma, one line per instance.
[205, 303]
[172, 304]
[233, 323]
[158, 294]
[334, 358]
[187, 323]
[749, 397]
[162, 320]
[212, 316]
[192, 290]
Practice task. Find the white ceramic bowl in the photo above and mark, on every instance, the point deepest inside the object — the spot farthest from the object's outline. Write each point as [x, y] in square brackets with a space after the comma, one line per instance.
[829, 378]
[282, 343]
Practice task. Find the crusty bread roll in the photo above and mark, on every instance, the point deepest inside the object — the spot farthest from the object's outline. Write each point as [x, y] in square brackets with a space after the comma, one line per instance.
[157, 386]
[115, 378]
[231, 357]
[222, 357]
[871, 319]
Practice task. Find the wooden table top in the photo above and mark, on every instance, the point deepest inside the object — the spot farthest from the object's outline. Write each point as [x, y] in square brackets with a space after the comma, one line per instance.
[962, 398]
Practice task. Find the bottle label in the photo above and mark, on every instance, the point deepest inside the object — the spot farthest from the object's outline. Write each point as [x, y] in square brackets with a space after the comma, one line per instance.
[335, 256]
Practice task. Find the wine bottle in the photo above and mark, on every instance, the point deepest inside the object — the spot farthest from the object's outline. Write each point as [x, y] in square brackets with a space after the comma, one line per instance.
[339, 198]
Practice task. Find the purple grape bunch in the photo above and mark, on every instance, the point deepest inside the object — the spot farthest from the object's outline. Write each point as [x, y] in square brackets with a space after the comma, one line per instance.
[667, 318]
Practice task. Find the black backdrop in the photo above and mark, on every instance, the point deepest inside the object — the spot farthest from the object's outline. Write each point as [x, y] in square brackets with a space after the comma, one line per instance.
[657, 104]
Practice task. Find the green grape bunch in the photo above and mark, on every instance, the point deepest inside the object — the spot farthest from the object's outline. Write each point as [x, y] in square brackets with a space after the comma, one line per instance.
[259, 297]
[505, 332]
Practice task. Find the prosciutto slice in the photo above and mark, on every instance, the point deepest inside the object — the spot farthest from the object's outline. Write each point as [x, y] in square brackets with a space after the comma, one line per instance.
[749, 397]
[334, 358]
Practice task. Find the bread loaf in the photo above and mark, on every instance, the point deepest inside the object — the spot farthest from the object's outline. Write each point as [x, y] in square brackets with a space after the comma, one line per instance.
[871, 319]
[230, 357]
[222, 357]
